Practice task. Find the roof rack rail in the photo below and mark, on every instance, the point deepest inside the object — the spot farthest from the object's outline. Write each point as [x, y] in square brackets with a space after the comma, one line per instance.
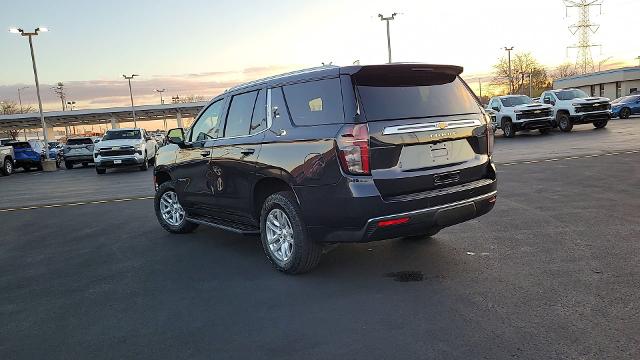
[274, 77]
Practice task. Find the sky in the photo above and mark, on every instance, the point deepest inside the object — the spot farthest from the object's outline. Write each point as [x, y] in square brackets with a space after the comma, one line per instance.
[201, 47]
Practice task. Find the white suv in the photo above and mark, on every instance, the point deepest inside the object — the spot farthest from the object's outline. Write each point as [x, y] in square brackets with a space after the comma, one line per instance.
[574, 106]
[513, 113]
[124, 147]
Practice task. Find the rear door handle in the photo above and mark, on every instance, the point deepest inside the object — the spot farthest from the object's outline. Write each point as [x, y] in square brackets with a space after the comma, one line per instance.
[205, 153]
[247, 151]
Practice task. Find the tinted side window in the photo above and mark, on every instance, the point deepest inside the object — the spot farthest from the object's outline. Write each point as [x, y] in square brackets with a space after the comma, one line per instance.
[207, 125]
[279, 114]
[239, 117]
[259, 119]
[315, 102]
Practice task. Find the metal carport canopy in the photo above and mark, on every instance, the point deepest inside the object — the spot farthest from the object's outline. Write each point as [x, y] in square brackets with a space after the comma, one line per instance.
[100, 116]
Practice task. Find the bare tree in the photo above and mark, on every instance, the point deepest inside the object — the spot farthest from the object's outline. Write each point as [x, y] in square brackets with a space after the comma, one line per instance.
[564, 70]
[10, 108]
[522, 64]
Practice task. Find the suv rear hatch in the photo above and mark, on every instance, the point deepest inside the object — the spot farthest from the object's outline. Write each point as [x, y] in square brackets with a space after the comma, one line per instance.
[426, 129]
[79, 146]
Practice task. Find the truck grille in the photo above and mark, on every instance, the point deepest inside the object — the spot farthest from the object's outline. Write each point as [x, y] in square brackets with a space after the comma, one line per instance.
[534, 114]
[117, 151]
[593, 107]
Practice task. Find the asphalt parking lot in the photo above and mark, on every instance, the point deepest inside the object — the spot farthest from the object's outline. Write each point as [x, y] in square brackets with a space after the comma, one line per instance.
[551, 272]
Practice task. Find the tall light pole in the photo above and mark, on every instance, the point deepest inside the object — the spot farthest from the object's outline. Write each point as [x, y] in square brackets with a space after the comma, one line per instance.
[638, 58]
[603, 61]
[508, 50]
[133, 109]
[387, 19]
[20, 96]
[30, 35]
[160, 91]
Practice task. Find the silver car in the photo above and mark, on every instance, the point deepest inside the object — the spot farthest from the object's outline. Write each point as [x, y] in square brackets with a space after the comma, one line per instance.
[78, 150]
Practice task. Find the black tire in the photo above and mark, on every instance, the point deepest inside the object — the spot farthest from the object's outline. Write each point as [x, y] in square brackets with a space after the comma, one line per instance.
[600, 124]
[544, 131]
[564, 123]
[85, 164]
[101, 170]
[26, 168]
[423, 237]
[145, 165]
[305, 254]
[625, 113]
[58, 162]
[68, 165]
[7, 167]
[508, 129]
[39, 166]
[185, 226]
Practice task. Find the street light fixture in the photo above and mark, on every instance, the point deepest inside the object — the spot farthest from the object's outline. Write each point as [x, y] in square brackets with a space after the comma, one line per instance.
[508, 50]
[20, 96]
[30, 35]
[160, 91]
[71, 104]
[387, 19]
[133, 109]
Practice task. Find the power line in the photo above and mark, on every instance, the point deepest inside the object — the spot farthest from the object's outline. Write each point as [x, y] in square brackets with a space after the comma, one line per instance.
[584, 28]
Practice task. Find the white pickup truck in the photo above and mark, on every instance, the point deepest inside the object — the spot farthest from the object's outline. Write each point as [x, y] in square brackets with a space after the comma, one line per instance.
[574, 106]
[513, 113]
[124, 147]
[7, 157]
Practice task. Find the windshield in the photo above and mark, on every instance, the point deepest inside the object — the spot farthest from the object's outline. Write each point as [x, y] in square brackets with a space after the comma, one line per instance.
[122, 134]
[512, 101]
[570, 94]
[398, 102]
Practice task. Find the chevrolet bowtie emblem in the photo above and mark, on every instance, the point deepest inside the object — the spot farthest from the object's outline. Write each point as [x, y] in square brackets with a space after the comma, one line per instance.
[442, 125]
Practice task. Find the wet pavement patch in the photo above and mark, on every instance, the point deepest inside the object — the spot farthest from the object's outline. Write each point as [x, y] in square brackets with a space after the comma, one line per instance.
[406, 276]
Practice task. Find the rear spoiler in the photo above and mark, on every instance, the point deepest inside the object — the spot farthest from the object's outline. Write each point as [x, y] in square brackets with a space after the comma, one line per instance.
[401, 74]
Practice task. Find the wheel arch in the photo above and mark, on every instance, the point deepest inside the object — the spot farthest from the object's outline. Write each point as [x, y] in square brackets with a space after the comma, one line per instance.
[264, 188]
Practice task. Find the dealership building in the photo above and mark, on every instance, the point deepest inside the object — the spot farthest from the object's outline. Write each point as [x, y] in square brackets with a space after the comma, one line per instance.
[609, 83]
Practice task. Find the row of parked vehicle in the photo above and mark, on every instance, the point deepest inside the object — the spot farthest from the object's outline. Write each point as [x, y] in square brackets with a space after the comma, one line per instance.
[561, 109]
[118, 147]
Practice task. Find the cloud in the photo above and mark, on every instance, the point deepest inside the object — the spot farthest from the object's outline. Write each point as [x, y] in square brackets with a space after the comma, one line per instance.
[115, 92]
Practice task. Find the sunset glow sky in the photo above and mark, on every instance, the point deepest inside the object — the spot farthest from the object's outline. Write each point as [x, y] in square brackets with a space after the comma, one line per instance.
[203, 47]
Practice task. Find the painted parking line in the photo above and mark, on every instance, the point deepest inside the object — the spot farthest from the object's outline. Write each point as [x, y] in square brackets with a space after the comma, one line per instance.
[79, 203]
[569, 158]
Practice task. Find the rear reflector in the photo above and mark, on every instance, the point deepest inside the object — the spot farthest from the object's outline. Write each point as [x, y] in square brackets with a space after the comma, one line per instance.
[386, 223]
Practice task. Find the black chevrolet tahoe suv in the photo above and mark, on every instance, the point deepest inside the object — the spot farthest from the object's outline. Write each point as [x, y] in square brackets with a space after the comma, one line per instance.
[331, 155]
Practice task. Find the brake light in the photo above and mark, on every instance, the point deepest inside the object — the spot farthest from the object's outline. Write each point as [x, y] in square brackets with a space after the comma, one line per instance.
[490, 138]
[353, 149]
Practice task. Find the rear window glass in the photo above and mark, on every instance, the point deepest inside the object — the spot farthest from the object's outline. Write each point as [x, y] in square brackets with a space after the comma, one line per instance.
[315, 102]
[85, 141]
[445, 96]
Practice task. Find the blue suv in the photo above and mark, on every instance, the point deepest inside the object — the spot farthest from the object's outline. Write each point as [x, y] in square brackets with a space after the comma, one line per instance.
[625, 106]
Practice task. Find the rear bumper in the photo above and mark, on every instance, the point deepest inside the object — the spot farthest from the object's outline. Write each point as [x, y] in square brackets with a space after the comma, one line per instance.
[352, 211]
[78, 158]
[590, 117]
[534, 124]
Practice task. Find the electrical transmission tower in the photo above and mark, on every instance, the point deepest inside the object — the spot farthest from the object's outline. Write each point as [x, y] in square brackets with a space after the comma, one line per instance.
[583, 29]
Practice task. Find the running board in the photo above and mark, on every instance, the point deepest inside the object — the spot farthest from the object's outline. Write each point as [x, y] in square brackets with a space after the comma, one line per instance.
[226, 225]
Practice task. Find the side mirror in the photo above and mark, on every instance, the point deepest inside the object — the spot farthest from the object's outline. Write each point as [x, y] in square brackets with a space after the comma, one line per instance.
[496, 108]
[546, 101]
[176, 136]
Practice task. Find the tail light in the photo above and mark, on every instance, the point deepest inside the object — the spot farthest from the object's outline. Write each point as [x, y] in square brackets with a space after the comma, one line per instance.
[353, 149]
[490, 139]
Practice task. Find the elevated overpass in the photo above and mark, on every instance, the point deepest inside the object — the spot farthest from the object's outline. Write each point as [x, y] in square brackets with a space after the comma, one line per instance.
[106, 116]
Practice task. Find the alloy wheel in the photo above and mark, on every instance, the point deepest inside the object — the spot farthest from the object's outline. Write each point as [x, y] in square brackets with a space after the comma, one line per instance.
[279, 235]
[170, 208]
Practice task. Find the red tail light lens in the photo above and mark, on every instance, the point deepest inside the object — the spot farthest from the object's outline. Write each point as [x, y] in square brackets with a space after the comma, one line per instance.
[393, 222]
[353, 146]
[490, 136]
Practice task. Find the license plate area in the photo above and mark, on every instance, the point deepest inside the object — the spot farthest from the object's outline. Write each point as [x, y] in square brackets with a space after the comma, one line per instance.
[418, 157]
[117, 161]
[446, 178]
